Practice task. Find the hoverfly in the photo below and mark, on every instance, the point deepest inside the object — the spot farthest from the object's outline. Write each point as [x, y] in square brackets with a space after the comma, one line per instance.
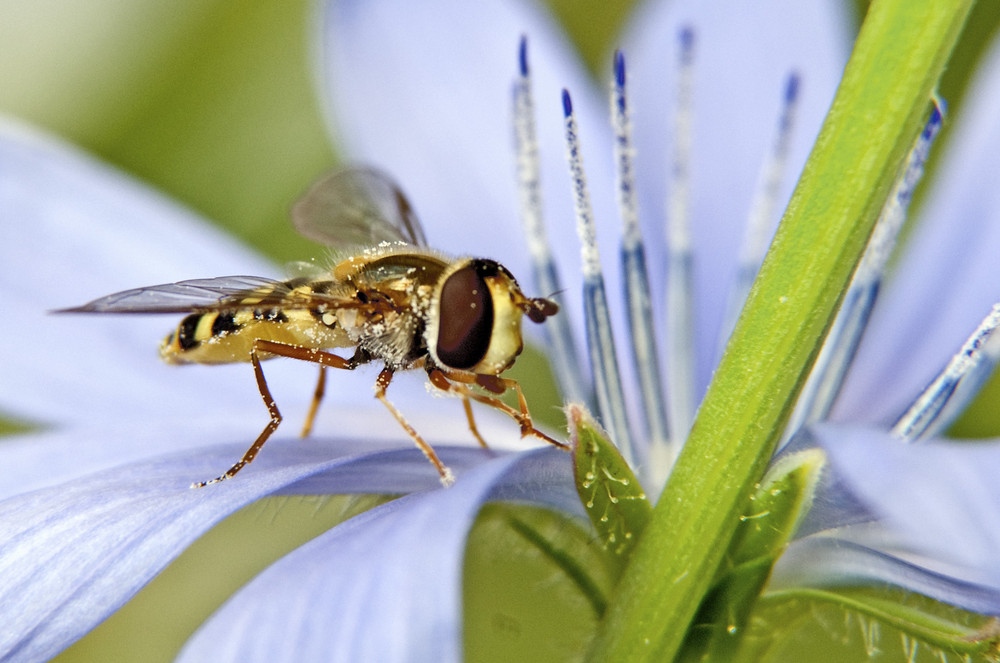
[396, 301]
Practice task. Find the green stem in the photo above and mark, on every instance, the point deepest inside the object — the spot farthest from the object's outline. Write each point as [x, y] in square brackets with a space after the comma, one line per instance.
[879, 109]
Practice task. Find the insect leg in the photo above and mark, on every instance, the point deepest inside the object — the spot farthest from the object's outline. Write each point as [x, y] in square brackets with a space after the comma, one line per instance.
[438, 380]
[472, 422]
[272, 425]
[497, 385]
[381, 384]
[314, 406]
[324, 359]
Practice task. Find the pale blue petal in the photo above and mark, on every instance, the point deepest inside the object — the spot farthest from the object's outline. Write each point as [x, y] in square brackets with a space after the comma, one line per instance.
[385, 586]
[940, 500]
[424, 90]
[829, 562]
[72, 554]
[75, 229]
[834, 505]
[945, 282]
[50, 458]
[743, 54]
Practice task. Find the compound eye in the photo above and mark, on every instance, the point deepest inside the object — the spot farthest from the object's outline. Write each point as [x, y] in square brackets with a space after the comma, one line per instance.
[466, 319]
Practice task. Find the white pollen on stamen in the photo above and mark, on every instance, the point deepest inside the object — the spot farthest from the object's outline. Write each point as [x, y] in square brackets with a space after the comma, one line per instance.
[926, 416]
[581, 199]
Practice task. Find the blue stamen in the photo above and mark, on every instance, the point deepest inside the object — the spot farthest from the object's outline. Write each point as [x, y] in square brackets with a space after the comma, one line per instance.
[687, 45]
[567, 104]
[565, 362]
[828, 374]
[938, 110]
[637, 292]
[619, 69]
[600, 339]
[792, 88]
[522, 56]
[679, 330]
[952, 390]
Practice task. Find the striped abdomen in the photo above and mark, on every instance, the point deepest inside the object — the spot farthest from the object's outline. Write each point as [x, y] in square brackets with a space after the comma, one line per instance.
[222, 337]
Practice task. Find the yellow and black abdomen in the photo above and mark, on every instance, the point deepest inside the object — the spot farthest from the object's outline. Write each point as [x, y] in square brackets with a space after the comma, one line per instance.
[223, 337]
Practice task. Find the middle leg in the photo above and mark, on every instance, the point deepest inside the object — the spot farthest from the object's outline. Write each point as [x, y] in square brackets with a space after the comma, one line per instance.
[381, 384]
[318, 393]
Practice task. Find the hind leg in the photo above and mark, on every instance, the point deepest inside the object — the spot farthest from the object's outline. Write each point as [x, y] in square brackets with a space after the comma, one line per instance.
[324, 359]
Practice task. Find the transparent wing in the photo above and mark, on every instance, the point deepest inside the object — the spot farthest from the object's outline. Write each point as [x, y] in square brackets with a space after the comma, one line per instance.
[221, 293]
[357, 207]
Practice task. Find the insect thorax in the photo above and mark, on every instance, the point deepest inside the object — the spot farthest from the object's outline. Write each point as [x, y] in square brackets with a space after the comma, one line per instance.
[395, 293]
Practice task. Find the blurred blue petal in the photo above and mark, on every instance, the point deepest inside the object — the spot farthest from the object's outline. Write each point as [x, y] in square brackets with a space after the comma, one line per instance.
[834, 504]
[923, 517]
[941, 499]
[384, 586]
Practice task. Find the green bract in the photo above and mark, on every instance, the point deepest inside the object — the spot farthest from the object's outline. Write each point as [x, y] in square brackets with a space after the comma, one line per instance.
[611, 494]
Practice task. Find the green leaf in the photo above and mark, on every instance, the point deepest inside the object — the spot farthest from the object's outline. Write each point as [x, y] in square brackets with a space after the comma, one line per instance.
[777, 506]
[535, 585]
[859, 623]
[615, 501]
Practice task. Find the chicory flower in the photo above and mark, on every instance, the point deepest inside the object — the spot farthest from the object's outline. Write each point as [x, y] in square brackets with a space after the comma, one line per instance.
[97, 502]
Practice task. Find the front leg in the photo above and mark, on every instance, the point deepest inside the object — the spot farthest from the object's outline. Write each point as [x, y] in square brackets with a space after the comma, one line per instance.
[455, 383]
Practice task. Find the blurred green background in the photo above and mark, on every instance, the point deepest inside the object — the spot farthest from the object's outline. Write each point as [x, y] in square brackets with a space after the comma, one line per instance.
[211, 101]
